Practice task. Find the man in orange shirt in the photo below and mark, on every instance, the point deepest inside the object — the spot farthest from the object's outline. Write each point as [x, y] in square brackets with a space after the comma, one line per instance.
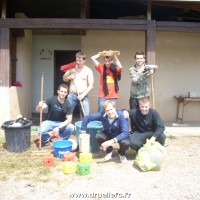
[110, 74]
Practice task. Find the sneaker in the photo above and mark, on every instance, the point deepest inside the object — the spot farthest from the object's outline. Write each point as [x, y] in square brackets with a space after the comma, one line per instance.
[108, 156]
[123, 159]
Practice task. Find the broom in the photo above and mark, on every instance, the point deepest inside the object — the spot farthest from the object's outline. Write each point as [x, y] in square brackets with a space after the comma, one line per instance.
[40, 138]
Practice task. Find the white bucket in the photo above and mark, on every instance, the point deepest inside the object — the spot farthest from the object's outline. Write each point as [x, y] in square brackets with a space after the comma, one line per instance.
[84, 143]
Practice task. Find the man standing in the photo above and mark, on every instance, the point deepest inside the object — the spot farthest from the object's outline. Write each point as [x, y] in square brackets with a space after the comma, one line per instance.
[110, 74]
[140, 81]
[59, 116]
[115, 129]
[81, 83]
[148, 125]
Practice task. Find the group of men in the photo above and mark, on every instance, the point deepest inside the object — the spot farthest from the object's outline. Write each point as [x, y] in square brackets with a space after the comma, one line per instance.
[146, 122]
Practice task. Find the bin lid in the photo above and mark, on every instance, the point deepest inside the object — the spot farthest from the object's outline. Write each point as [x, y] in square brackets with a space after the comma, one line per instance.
[90, 125]
[8, 124]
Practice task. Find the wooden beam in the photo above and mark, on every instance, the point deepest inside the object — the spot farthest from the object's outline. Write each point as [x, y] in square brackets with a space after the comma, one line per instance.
[149, 9]
[96, 24]
[3, 9]
[5, 57]
[84, 13]
[150, 52]
[79, 24]
[178, 26]
[84, 9]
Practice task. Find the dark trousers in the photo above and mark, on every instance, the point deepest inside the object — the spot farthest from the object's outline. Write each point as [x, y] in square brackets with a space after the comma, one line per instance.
[138, 139]
[101, 137]
[134, 104]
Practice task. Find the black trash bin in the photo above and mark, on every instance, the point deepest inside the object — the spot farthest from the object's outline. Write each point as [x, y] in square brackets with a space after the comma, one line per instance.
[17, 137]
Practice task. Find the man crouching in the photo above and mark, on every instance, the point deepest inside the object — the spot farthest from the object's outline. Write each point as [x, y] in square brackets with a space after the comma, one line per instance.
[115, 129]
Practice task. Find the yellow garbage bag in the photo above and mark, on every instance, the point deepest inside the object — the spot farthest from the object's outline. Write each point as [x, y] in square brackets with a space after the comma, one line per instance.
[150, 156]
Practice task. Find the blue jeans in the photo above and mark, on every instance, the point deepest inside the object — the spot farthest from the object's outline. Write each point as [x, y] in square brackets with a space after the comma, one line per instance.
[48, 125]
[102, 100]
[72, 98]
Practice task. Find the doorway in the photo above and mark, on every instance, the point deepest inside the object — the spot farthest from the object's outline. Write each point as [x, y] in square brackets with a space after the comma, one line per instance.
[62, 57]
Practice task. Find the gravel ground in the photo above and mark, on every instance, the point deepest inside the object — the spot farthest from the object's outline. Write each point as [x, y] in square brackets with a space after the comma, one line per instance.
[178, 179]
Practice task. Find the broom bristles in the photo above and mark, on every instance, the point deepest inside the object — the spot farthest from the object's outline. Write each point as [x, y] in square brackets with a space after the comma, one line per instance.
[68, 66]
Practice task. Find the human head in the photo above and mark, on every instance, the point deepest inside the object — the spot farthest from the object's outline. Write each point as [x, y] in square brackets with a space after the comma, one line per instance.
[144, 105]
[62, 91]
[108, 60]
[80, 58]
[139, 58]
[110, 109]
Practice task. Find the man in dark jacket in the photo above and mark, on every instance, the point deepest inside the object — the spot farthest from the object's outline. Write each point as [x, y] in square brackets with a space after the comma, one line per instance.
[148, 125]
[115, 129]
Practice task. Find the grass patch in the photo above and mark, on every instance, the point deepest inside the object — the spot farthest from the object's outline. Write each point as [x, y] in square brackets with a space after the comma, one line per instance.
[171, 137]
[27, 166]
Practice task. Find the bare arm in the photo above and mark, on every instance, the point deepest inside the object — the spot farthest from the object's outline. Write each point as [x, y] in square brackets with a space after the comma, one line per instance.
[117, 62]
[69, 75]
[94, 60]
[90, 80]
[68, 120]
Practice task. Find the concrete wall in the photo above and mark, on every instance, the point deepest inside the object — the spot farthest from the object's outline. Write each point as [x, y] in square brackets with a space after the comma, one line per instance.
[177, 55]
[17, 100]
[39, 65]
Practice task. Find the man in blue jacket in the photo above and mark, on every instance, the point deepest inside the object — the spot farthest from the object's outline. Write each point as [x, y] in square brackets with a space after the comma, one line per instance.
[115, 129]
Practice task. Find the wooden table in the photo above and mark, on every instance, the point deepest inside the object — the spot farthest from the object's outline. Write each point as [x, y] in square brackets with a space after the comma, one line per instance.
[184, 101]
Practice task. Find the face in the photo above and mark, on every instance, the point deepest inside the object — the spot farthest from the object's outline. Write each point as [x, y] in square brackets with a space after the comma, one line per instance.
[139, 60]
[62, 93]
[144, 107]
[79, 61]
[110, 111]
[108, 62]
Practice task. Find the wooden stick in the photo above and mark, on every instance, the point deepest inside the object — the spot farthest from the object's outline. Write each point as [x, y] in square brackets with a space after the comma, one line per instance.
[79, 100]
[41, 99]
[109, 53]
[41, 153]
[152, 91]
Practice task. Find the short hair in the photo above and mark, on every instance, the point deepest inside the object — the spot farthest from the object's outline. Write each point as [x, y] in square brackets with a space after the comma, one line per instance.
[108, 57]
[144, 100]
[81, 54]
[140, 52]
[63, 86]
[107, 102]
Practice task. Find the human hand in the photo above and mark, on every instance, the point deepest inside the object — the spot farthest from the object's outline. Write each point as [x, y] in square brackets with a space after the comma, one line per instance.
[80, 97]
[125, 113]
[152, 140]
[40, 104]
[55, 131]
[106, 144]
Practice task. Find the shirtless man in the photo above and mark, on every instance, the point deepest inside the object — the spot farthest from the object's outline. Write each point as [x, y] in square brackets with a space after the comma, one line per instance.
[81, 82]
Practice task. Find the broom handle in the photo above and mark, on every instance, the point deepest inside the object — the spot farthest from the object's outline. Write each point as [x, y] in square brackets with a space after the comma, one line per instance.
[152, 91]
[41, 99]
[79, 100]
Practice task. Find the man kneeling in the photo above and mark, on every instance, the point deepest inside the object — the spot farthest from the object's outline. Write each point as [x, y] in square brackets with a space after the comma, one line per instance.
[115, 129]
[147, 125]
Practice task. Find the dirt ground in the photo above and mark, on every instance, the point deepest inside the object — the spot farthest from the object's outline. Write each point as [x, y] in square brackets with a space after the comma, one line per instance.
[178, 178]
